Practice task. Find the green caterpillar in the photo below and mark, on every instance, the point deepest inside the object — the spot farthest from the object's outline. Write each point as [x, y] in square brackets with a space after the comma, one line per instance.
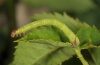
[72, 37]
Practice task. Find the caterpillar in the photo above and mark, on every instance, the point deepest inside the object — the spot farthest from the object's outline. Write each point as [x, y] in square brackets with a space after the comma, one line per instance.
[72, 37]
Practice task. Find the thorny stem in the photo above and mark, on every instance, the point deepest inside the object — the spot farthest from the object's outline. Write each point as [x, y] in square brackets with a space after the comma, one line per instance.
[80, 56]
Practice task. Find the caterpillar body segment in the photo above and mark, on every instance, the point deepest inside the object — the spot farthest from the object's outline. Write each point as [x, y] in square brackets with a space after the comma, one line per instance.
[52, 22]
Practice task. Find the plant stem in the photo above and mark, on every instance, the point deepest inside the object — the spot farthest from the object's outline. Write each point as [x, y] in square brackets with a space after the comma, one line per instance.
[80, 56]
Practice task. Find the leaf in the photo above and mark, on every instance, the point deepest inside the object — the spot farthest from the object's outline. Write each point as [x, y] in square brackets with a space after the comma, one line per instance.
[41, 52]
[89, 37]
[74, 25]
[44, 32]
[95, 53]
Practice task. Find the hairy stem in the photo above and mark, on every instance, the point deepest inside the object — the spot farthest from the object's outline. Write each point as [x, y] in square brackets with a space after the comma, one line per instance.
[80, 56]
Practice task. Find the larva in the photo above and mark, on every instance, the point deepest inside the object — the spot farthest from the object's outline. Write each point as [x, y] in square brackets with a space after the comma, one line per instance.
[52, 22]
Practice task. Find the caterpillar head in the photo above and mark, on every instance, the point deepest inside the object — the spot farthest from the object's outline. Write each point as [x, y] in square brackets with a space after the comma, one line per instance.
[16, 33]
[13, 33]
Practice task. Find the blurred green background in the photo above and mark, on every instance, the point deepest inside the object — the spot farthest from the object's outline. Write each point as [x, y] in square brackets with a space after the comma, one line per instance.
[16, 13]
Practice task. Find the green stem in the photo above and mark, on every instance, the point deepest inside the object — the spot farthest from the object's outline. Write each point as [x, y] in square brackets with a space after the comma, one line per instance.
[80, 56]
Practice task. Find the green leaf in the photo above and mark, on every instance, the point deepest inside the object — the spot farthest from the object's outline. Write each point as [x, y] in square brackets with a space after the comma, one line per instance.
[41, 52]
[73, 24]
[95, 53]
[43, 32]
[89, 37]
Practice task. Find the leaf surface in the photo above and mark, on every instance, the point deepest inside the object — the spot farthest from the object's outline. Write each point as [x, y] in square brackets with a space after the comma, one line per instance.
[44, 32]
[89, 37]
[95, 53]
[41, 52]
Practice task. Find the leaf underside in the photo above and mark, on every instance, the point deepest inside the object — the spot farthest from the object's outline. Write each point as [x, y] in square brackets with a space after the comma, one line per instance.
[95, 53]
